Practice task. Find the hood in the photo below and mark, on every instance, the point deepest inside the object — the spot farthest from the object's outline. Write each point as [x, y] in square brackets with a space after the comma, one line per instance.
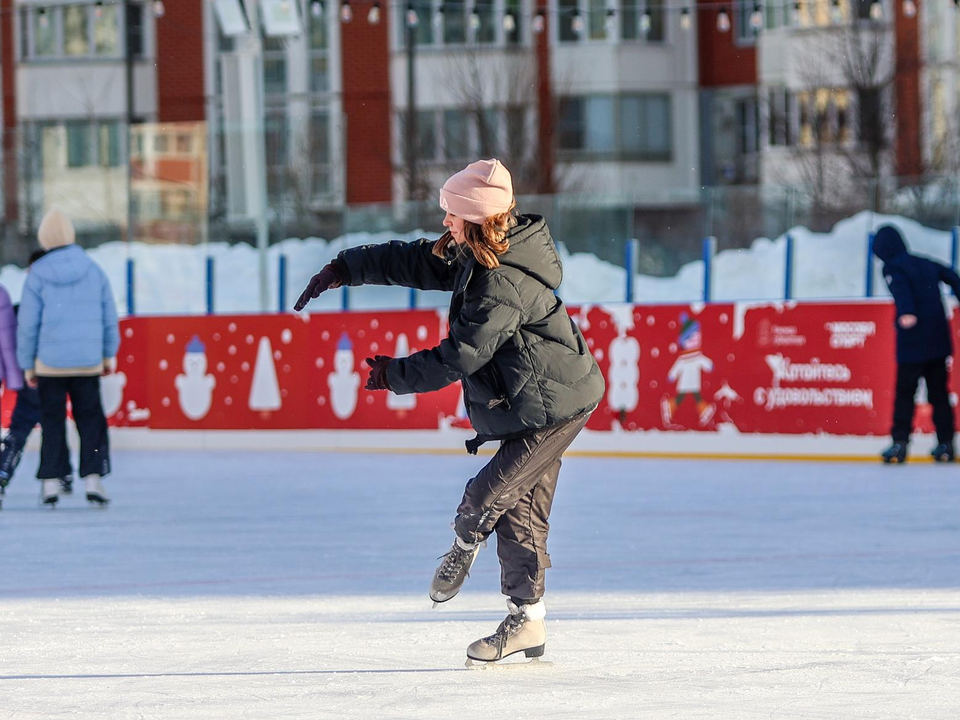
[888, 243]
[63, 266]
[532, 250]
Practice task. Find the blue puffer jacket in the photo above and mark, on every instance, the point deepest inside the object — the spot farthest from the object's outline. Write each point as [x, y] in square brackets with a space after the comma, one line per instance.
[914, 283]
[67, 317]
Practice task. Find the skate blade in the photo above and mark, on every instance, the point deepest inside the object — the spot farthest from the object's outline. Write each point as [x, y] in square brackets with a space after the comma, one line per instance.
[532, 663]
[97, 500]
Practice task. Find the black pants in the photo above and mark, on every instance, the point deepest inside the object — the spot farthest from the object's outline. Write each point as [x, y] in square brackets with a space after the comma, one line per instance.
[84, 393]
[512, 496]
[908, 375]
[26, 415]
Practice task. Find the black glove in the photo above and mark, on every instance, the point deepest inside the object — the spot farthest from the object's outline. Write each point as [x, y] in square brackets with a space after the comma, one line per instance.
[378, 373]
[327, 279]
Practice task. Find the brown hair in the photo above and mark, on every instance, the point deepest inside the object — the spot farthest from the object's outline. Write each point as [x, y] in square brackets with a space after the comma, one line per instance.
[485, 241]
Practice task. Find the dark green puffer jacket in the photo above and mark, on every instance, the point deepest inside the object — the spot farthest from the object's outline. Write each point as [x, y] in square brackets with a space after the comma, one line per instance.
[524, 363]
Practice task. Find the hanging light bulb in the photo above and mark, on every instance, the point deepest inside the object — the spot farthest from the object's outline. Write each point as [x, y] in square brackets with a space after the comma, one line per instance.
[44, 18]
[646, 22]
[756, 19]
[509, 22]
[475, 19]
[909, 9]
[610, 21]
[373, 16]
[723, 20]
[686, 21]
[539, 22]
[876, 10]
[159, 9]
[98, 9]
[797, 9]
[576, 24]
[413, 19]
[346, 12]
[438, 15]
[316, 8]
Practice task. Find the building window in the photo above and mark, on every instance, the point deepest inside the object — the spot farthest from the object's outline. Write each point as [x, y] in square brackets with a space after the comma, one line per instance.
[106, 30]
[79, 144]
[517, 132]
[565, 18]
[427, 135]
[780, 117]
[79, 31]
[488, 132]
[110, 144]
[628, 127]
[135, 30]
[743, 10]
[320, 152]
[598, 19]
[274, 66]
[456, 142]
[454, 23]
[514, 8]
[318, 49]
[75, 31]
[486, 31]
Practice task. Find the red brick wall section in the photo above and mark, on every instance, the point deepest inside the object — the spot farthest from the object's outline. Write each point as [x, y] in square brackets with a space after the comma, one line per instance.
[180, 62]
[8, 25]
[545, 105]
[722, 61]
[365, 55]
[907, 91]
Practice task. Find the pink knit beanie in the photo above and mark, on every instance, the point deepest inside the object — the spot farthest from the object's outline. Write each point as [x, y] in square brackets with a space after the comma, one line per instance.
[481, 190]
[55, 230]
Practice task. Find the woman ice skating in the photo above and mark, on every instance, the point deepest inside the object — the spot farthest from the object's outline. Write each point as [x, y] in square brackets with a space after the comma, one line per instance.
[529, 380]
[67, 337]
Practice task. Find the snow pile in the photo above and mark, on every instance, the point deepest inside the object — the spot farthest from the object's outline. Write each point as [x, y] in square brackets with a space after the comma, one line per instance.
[172, 278]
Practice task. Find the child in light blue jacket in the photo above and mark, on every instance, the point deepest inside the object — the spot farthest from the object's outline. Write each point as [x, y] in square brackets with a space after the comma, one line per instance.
[67, 337]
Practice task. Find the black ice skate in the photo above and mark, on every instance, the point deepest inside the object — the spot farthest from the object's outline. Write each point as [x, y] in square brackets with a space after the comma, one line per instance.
[50, 492]
[943, 453]
[523, 630]
[66, 485]
[896, 454]
[455, 568]
[9, 459]
[96, 495]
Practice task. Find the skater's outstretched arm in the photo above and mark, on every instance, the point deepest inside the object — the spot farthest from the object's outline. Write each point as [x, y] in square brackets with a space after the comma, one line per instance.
[949, 277]
[407, 264]
[490, 316]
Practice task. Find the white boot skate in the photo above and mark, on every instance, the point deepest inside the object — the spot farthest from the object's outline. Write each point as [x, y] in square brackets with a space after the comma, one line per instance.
[523, 630]
[50, 492]
[95, 492]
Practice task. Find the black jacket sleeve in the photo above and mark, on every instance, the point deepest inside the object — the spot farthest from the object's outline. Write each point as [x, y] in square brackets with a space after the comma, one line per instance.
[900, 288]
[408, 264]
[488, 319]
[948, 276]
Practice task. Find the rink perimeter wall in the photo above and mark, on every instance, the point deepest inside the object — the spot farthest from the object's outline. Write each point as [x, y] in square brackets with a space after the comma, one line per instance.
[803, 380]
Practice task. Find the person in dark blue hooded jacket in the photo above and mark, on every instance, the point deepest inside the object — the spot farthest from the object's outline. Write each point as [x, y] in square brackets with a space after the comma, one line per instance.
[923, 341]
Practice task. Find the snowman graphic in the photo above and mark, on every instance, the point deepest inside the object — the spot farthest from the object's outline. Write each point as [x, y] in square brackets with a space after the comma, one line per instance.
[344, 381]
[195, 387]
[687, 372]
[111, 392]
[623, 393]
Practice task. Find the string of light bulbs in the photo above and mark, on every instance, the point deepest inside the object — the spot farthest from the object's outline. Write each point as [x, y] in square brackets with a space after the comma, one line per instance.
[538, 19]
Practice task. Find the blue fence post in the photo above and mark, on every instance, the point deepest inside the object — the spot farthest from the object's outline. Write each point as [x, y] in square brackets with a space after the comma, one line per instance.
[955, 250]
[413, 298]
[630, 260]
[209, 285]
[345, 298]
[709, 250]
[870, 239]
[131, 307]
[788, 270]
[282, 284]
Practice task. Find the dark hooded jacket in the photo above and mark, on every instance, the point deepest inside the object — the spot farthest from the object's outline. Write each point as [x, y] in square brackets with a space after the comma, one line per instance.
[523, 362]
[914, 283]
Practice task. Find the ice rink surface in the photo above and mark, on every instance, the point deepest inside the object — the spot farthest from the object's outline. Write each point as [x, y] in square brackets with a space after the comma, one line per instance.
[293, 585]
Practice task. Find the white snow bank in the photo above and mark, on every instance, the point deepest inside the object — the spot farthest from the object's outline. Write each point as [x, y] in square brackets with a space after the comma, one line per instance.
[171, 278]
